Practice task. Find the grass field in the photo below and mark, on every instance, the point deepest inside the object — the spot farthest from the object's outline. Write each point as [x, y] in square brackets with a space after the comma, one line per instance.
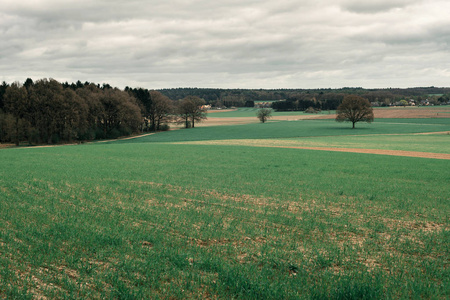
[441, 111]
[251, 112]
[436, 143]
[299, 129]
[158, 217]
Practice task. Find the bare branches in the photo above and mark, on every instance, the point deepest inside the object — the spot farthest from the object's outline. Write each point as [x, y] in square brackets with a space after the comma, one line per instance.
[354, 109]
[264, 114]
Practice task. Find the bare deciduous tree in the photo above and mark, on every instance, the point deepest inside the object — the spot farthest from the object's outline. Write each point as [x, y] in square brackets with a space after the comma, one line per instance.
[264, 114]
[354, 109]
[160, 109]
[190, 110]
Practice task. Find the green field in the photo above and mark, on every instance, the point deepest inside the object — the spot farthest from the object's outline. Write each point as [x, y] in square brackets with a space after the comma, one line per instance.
[251, 112]
[299, 129]
[158, 217]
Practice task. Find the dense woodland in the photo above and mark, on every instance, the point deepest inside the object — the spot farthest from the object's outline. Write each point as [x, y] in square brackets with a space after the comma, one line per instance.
[50, 112]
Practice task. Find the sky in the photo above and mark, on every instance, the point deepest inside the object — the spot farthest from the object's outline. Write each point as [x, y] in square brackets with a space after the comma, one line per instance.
[228, 43]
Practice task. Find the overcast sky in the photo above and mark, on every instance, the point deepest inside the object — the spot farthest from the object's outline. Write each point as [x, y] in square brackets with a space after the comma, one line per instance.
[228, 43]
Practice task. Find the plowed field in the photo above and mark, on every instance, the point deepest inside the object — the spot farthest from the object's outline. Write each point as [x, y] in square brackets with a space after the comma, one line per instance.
[405, 113]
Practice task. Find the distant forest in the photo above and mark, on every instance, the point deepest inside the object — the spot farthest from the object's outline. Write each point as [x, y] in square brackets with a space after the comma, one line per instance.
[50, 112]
[321, 98]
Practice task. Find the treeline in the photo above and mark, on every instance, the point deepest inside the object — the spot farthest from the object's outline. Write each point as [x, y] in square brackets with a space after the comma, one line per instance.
[301, 99]
[330, 101]
[225, 97]
[303, 102]
[159, 109]
[48, 112]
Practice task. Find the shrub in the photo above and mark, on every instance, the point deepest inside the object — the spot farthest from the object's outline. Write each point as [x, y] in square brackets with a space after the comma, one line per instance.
[164, 127]
[113, 134]
[312, 110]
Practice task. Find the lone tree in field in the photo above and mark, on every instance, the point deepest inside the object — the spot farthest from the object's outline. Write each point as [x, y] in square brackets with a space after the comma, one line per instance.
[354, 109]
[263, 114]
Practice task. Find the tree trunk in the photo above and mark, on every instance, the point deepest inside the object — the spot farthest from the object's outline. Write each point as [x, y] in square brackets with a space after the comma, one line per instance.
[153, 126]
[353, 125]
[17, 132]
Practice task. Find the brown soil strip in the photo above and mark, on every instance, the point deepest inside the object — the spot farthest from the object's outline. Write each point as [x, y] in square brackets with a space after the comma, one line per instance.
[248, 120]
[135, 136]
[376, 151]
[227, 121]
[125, 138]
[404, 113]
[212, 111]
[429, 133]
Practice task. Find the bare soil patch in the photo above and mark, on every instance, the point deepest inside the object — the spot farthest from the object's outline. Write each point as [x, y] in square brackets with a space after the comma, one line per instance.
[404, 113]
[249, 120]
[413, 112]
[425, 226]
[220, 110]
[428, 133]
[227, 121]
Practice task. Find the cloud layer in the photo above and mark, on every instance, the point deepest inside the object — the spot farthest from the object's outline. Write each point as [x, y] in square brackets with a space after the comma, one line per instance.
[231, 44]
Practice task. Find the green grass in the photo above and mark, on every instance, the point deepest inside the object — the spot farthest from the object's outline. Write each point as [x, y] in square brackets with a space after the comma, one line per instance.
[427, 122]
[436, 143]
[430, 143]
[251, 112]
[418, 107]
[143, 219]
[295, 129]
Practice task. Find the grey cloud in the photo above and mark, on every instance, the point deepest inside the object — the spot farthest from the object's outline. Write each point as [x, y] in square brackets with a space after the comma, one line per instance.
[375, 6]
[230, 43]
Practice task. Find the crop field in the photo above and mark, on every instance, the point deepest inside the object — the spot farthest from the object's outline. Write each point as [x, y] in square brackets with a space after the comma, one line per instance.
[231, 212]
[251, 112]
[300, 129]
[248, 115]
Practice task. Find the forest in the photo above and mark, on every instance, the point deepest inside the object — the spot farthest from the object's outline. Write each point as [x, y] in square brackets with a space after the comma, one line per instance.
[49, 112]
[241, 97]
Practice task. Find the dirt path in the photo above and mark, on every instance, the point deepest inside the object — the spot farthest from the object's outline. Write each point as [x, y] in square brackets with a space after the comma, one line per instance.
[125, 138]
[74, 144]
[376, 151]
